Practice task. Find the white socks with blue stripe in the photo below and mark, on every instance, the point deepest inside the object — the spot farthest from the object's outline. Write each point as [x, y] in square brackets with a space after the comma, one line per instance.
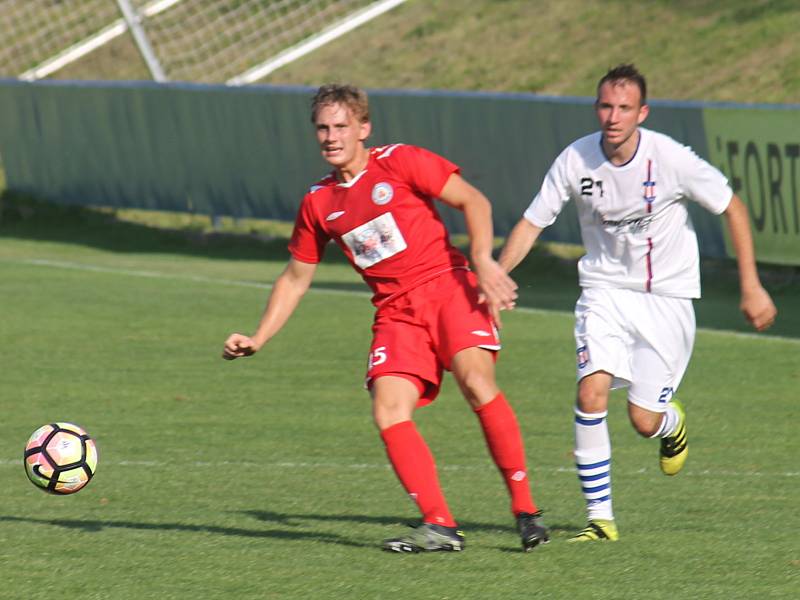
[669, 422]
[593, 460]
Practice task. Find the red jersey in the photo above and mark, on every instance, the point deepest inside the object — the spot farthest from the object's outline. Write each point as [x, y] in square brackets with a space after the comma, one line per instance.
[384, 220]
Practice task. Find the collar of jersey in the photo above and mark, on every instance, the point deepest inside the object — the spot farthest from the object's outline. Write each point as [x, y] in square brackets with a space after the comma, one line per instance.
[631, 159]
[352, 182]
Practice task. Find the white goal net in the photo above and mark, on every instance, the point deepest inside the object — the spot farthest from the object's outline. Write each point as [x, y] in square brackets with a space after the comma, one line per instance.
[32, 31]
[213, 41]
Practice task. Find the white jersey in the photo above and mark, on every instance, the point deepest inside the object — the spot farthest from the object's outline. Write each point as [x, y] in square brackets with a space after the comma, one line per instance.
[634, 219]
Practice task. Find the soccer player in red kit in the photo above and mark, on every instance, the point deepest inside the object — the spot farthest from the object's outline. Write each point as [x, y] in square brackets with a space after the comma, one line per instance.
[433, 312]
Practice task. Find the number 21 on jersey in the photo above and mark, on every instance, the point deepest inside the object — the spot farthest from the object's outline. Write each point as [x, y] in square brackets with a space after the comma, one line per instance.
[587, 183]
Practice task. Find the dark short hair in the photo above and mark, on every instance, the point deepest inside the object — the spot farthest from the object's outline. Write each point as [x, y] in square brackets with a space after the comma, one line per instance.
[622, 73]
[350, 96]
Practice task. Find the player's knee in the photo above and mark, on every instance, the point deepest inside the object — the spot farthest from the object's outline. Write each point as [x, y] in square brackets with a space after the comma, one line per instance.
[386, 416]
[473, 369]
[593, 391]
[393, 400]
[388, 411]
[478, 388]
[592, 400]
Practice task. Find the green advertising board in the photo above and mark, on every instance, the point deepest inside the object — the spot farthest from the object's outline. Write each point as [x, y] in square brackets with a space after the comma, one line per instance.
[250, 152]
[759, 153]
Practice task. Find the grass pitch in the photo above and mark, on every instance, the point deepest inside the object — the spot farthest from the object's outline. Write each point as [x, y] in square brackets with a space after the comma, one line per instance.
[264, 478]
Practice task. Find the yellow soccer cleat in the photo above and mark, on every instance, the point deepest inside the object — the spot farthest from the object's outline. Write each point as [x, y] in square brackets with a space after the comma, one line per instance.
[675, 447]
[598, 529]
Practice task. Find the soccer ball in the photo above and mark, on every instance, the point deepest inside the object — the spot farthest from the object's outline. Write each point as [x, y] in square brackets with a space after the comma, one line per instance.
[60, 458]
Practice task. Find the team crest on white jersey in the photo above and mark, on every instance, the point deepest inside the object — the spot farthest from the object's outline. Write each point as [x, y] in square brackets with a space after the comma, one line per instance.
[382, 193]
[650, 184]
[583, 356]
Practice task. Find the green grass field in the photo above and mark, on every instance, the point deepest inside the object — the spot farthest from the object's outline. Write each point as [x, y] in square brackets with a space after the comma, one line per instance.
[264, 478]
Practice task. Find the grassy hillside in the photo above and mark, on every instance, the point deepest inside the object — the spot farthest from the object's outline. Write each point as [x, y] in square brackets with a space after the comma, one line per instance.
[737, 50]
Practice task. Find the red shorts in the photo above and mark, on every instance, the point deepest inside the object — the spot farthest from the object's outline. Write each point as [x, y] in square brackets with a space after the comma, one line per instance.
[416, 335]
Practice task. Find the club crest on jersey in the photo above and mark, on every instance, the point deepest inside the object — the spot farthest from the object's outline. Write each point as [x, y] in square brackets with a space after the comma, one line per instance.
[382, 193]
[583, 356]
[650, 184]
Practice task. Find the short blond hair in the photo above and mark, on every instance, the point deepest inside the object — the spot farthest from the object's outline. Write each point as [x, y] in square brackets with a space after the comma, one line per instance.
[350, 96]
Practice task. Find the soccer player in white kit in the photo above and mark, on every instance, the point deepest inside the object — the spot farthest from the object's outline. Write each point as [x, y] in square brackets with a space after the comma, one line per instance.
[635, 322]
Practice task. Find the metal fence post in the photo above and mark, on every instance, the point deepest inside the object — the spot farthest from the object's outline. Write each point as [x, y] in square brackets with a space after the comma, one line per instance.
[134, 22]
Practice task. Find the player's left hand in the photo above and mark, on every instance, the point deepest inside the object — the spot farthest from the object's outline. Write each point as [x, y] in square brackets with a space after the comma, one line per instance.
[497, 289]
[758, 308]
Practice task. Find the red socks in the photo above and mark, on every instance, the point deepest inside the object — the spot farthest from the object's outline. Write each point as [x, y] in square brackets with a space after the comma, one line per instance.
[501, 430]
[414, 465]
[416, 469]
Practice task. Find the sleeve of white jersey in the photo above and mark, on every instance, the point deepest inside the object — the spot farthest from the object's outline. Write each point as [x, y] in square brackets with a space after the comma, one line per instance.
[553, 195]
[704, 183]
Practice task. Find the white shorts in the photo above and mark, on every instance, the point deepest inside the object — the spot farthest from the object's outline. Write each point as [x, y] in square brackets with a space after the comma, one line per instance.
[643, 340]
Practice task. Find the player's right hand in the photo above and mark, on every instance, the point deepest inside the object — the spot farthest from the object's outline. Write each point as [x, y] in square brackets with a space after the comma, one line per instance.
[238, 345]
[496, 288]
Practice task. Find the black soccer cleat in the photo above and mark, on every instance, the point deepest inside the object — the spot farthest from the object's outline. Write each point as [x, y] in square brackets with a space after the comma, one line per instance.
[532, 530]
[427, 538]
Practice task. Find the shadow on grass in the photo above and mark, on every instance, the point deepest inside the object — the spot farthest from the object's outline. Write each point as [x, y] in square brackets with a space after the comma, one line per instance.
[93, 526]
[291, 520]
[24, 218]
[287, 520]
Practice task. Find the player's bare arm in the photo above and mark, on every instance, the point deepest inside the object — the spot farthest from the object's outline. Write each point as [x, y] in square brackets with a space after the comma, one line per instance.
[498, 288]
[519, 244]
[756, 303]
[289, 288]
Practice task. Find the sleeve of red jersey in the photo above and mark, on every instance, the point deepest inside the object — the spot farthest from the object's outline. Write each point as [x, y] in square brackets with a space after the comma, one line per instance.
[425, 170]
[308, 239]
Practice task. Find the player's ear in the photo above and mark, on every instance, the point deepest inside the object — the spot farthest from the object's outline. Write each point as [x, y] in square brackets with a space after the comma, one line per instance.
[365, 129]
[644, 110]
